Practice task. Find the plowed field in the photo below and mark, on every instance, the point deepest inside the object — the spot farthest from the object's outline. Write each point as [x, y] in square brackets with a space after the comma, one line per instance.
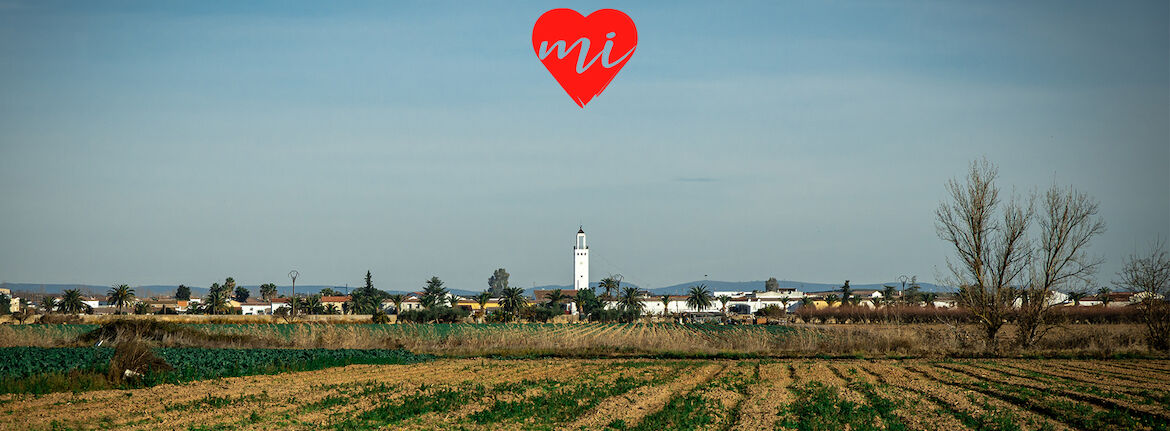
[639, 394]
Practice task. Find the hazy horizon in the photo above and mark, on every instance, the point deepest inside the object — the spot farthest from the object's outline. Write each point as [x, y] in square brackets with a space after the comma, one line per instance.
[153, 143]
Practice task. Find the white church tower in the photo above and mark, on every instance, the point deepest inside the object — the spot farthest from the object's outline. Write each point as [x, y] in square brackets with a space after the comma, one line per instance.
[580, 262]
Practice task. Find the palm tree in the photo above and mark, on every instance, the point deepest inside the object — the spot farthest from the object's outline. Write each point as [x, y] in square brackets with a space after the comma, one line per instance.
[807, 302]
[785, 301]
[120, 296]
[699, 297]
[267, 291]
[831, 299]
[888, 294]
[482, 299]
[631, 300]
[724, 299]
[216, 301]
[929, 298]
[141, 308]
[47, 304]
[665, 304]
[512, 301]
[610, 285]
[1103, 296]
[71, 302]
[332, 309]
[1076, 297]
[555, 298]
[453, 300]
[313, 305]
[397, 299]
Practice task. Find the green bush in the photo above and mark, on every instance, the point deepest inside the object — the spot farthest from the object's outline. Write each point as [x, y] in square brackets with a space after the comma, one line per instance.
[539, 313]
[440, 314]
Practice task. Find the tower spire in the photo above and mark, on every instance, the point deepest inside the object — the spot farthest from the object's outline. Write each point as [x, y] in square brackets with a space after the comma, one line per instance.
[580, 261]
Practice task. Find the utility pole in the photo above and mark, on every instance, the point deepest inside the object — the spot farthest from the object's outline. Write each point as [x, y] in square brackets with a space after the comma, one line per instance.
[293, 301]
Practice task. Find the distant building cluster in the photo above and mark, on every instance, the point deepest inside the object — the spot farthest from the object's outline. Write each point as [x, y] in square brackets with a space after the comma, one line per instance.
[560, 301]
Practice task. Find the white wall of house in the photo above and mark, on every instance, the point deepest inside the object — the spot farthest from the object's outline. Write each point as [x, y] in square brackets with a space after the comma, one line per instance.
[256, 309]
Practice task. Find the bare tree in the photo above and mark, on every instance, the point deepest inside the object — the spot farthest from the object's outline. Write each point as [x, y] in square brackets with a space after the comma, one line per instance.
[1068, 222]
[993, 251]
[1148, 276]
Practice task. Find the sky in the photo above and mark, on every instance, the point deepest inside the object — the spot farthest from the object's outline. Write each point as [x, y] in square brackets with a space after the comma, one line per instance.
[184, 142]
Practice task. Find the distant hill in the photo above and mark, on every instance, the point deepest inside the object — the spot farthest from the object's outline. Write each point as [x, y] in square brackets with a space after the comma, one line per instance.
[748, 286]
[677, 289]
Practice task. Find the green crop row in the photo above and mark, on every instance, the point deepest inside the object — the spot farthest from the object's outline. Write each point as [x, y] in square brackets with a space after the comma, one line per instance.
[19, 365]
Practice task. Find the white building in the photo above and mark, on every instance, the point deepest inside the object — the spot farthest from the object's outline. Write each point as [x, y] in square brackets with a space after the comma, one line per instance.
[255, 308]
[743, 302]
[580, 262]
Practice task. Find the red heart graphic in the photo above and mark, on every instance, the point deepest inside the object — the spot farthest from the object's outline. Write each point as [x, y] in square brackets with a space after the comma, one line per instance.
[584, 53]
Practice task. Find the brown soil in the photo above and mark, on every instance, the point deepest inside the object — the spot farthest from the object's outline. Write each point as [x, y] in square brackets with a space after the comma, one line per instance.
[765, 398]
[632, 407]
[932, 394]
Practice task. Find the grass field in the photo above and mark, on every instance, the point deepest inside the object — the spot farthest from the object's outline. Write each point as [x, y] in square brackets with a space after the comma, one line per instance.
[637, 394]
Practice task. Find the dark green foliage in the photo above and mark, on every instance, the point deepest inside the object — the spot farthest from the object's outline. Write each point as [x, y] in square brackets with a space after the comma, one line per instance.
[267, 291]
[699, 297]
[242, 294]
[440, 314]
[587, 303]
[539, 314]
[615, 315]
[559, 403]
[193, 363]
[21, 365]
[512, 300]
[19, 362]
[434, 293]
[70, 302]
[366, 299]
[820, 408]
[183, 293]
[380, 317]
[498, 282]
[216, 301]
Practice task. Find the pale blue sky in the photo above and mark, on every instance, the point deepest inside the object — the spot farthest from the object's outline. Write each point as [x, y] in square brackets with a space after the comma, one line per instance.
[182, 142]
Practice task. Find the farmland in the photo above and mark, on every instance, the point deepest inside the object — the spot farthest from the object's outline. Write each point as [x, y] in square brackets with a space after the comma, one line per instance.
[477, 393]
[576, 376]
[605, 339]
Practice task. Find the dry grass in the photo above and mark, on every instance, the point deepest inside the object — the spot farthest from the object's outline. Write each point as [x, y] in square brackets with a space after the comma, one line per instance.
[944, 340]
[592, 340]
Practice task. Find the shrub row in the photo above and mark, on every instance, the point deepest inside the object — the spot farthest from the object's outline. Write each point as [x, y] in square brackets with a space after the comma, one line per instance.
[909, 314]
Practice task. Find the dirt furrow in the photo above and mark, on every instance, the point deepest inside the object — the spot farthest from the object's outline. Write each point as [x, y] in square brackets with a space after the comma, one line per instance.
[765, 398]
[634, 406]
[290, 406]
[916, 411]
[949, 378]
[1131, 373]
[1098, 402]
[1061, 375]
[965, 405]
[545, 372]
